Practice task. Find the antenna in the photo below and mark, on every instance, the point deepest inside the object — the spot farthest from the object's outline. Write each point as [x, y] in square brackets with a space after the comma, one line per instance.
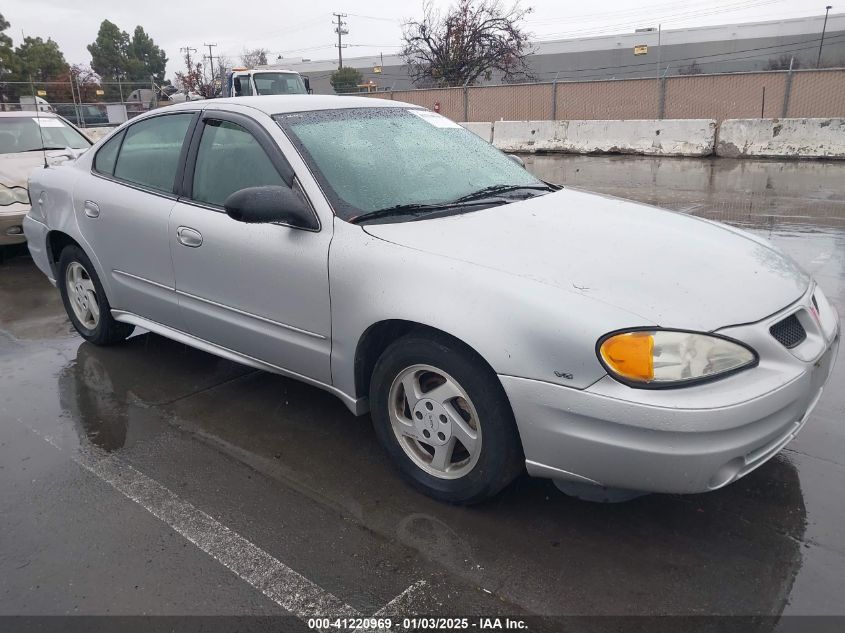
[38, 119]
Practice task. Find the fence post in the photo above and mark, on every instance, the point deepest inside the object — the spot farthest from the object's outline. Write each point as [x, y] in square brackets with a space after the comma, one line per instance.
[76, 108]
[554, 97]
[466, 100]
[787, 90]
[661, 101]
[80, 113]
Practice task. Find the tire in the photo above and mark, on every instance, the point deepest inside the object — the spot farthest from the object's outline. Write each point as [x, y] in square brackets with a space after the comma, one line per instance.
[486, 452]
[85, 300]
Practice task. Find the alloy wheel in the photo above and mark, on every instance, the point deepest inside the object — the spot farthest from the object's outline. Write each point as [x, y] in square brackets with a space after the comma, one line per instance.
[435, 421]
[82, 295]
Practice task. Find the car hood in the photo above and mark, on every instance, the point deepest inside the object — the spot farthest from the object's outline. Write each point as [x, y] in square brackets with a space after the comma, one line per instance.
[16, 168]
[673, 270]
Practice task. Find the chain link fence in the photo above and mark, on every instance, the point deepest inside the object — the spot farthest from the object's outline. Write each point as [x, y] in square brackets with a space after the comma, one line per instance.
[773, 94]
[86, 105]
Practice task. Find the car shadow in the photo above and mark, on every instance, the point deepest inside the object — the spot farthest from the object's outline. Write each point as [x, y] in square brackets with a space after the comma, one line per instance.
[733, 551]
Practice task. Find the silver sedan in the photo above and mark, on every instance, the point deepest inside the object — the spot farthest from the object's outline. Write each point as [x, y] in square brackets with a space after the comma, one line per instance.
[488, 321]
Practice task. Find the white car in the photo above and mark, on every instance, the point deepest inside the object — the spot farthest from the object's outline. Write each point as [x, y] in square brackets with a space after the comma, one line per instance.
[21, 135]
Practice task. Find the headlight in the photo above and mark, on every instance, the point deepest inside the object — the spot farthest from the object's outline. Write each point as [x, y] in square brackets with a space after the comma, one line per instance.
[667, 358]
[11, 195]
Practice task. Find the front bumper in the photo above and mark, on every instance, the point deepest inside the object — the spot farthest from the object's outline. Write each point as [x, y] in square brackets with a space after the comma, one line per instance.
[684, 440]
[11, 224]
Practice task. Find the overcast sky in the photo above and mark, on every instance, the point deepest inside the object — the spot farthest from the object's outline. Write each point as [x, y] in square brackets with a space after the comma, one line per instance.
[304, 28]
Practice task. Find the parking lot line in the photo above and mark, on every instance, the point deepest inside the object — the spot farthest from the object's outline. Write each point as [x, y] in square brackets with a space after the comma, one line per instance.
[403, 603]
[286, 587]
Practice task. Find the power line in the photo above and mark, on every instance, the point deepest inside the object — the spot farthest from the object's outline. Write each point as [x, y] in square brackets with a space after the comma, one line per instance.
[761, 51]
[683, 14]
[704, 57]
[373, 17]
[651, 12]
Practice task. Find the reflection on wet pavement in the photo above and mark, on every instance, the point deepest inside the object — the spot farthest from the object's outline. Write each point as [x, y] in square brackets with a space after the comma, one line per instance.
[767, 195]
[771, 543]
[528, 544]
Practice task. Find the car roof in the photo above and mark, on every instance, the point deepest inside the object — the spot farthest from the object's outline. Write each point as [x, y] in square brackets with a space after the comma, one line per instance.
[28, 113]
[282, 104]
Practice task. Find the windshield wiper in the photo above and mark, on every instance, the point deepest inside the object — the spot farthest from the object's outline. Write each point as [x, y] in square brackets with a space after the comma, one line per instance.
[495, 190]
[416, 209]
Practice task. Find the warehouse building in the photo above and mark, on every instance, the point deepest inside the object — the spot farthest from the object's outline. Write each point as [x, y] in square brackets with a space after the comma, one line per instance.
[730, 48]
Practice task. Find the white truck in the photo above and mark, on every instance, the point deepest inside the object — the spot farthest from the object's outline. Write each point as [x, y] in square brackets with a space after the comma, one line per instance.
[245, 82]
[29, 103]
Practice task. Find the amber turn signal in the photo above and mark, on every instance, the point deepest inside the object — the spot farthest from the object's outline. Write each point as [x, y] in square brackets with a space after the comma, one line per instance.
[630, 355]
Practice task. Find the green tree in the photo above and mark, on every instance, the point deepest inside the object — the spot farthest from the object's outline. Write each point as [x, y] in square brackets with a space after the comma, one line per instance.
[346, 79]
[145, 58]
[110, 51]
[6, 53]
[7, 60]
[114, 54]
[43, 60]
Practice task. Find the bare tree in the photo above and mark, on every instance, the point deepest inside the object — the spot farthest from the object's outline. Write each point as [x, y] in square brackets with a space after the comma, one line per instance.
[693, 68]
[782, 63]
[471, 41]
[224, 65]
[254, 57]
[194, 80]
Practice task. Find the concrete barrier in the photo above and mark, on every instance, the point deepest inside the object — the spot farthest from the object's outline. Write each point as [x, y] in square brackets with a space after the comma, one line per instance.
[484, 130]
[667, 137]
[529, 136]
[96, 133]
[782, 138]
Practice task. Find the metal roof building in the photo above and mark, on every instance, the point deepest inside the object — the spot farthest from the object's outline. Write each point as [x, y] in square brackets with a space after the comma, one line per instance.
[746, 47]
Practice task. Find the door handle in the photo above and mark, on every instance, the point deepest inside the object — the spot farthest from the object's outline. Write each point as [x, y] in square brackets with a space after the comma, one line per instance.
[92, 209]
[189, 237]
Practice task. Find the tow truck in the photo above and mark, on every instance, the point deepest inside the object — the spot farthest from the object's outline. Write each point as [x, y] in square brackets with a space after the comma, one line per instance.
[245, 82]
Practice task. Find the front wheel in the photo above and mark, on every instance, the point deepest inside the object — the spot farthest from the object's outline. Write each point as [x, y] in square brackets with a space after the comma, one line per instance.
[85, 300]
[442, 415]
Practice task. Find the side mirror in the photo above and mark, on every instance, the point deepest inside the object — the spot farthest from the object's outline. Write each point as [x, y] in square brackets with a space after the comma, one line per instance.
[516, 159]
[236, 82]
[307, 82]
[257, 205]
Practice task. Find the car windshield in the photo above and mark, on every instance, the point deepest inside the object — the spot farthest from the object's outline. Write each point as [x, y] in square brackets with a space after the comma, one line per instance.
[279, 84]
[371, 159]
[24, 134]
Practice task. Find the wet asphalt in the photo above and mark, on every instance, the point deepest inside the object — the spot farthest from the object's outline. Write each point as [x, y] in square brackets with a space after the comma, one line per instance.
[290, 470]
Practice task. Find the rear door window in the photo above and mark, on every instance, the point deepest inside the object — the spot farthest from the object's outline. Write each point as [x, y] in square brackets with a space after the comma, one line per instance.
[150, 152]
[107, 155]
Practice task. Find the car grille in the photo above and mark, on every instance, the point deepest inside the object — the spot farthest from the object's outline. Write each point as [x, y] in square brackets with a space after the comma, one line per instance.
[789, 332]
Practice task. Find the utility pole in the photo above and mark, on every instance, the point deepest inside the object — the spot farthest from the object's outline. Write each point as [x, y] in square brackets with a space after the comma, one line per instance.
[188, 50]
[824, 28]
[341, 30]
[211, 62]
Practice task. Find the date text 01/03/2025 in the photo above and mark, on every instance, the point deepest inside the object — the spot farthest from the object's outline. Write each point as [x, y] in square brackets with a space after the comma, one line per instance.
[419, 623]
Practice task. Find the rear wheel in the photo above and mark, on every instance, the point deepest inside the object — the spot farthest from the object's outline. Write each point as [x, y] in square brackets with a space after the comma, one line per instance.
[85, 300]
[443, 417]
